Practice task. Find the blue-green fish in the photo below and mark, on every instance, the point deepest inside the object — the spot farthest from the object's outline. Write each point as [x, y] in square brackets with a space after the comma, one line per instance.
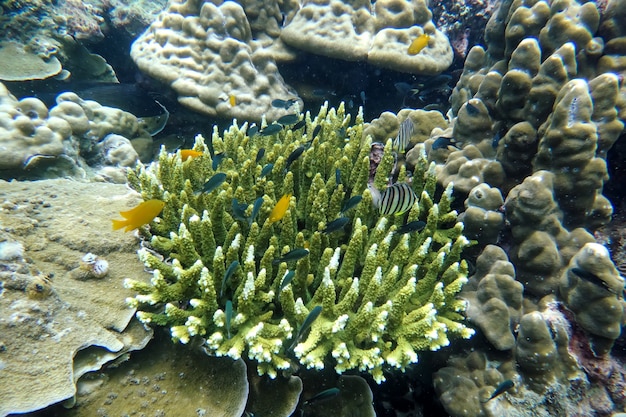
[414, 226]
[322, 395]
[337, 176]
[286, 280]
[216, 160]
[283, 104]
[397, 199]
[229, 316]
[229, 273]
[299, 125]
[336, 225]
[295, 154]
[214, 182]
[271, 129]
[288, 119]
[316, 131]
[259, 155]
[266, 170]
[306, 324]
[252, 130]
[239, 210]
[352, 202]
[255, 210]
[292, 255]
[503, 387]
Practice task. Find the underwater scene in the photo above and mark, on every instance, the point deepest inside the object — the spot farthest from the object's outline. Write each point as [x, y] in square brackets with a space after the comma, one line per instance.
[313, 208]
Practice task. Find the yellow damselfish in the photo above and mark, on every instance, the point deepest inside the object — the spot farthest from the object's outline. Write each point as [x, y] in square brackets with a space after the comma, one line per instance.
[279, 210]
[188, 153]
[418, 44]
[144, 213]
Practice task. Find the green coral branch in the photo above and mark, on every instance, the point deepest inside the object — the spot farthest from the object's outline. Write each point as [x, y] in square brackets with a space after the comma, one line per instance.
[384, 296]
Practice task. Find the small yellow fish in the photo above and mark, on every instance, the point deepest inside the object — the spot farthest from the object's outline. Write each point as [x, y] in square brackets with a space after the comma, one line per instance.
[279, 210]
[418, 44]
[142, 214]
[189, 153]
[232, 100]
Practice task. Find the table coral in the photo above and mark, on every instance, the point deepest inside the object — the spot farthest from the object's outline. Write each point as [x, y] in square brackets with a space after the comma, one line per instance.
[207, 55]
[384, 297]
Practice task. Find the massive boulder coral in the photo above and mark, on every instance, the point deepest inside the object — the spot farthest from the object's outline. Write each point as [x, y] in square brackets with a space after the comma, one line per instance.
[251, 283]
[379, 34]
[67, 139]
[206, 54]
[593, 290]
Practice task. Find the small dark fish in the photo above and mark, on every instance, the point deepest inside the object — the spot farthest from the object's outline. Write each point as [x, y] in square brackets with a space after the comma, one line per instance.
[292, 255]
[306, 324]
[272, 129]
[405, 88]
[288, 119]
[295, 154]
[337, 176]
[414, 226]
[336, 225]
[266, 169]
[503, 387]
[255, 210]
[496, 140]
[229, 316]
[283, 104]
[322, 395]
[442, 142]
[252, 130]
[472, 110]
[299, 125]
[316, 131]
[352, 202]
[592, 278]
[286, 280]
[214, 182]
[404, 135]
[259, 155]
[229, 273]
[217, 159]
[397, 199]
[239, 210]
[322, 92]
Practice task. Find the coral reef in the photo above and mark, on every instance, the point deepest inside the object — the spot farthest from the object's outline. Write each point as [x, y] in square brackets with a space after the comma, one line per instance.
[379, 34]
[50, 323]
[370, 296]
[68, 139]
[206, 54]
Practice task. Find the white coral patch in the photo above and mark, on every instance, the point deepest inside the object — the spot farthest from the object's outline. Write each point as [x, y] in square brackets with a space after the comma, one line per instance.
[248, 288]
[250, 254]
[340, 323]
[334, 260]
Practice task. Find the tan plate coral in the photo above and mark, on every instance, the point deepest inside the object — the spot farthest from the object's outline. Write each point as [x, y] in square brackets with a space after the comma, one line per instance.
[384, 296]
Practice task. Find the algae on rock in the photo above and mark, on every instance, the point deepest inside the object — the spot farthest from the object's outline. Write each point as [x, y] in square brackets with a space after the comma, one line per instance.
[384, 296]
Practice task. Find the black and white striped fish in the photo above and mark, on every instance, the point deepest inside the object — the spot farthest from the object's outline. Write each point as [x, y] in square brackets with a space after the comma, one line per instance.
[404, 135]
[396, 199]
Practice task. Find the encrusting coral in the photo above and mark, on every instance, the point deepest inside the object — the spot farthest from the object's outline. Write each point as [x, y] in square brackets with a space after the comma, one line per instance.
[221, 267]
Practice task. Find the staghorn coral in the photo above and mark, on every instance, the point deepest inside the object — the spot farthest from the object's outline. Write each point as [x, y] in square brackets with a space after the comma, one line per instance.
[384, 296]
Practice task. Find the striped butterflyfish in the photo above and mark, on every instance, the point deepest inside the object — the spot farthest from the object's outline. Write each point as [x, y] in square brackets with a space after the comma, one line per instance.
[397, 199]
[404, 135]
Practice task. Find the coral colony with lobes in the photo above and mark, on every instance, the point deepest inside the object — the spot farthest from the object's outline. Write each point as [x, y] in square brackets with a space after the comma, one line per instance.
[388, 208]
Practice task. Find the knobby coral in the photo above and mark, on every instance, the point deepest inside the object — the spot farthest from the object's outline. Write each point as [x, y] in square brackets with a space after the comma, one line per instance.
[220, 273]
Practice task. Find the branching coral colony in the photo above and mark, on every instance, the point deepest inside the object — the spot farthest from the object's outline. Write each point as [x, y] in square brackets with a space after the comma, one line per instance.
[361, 297]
